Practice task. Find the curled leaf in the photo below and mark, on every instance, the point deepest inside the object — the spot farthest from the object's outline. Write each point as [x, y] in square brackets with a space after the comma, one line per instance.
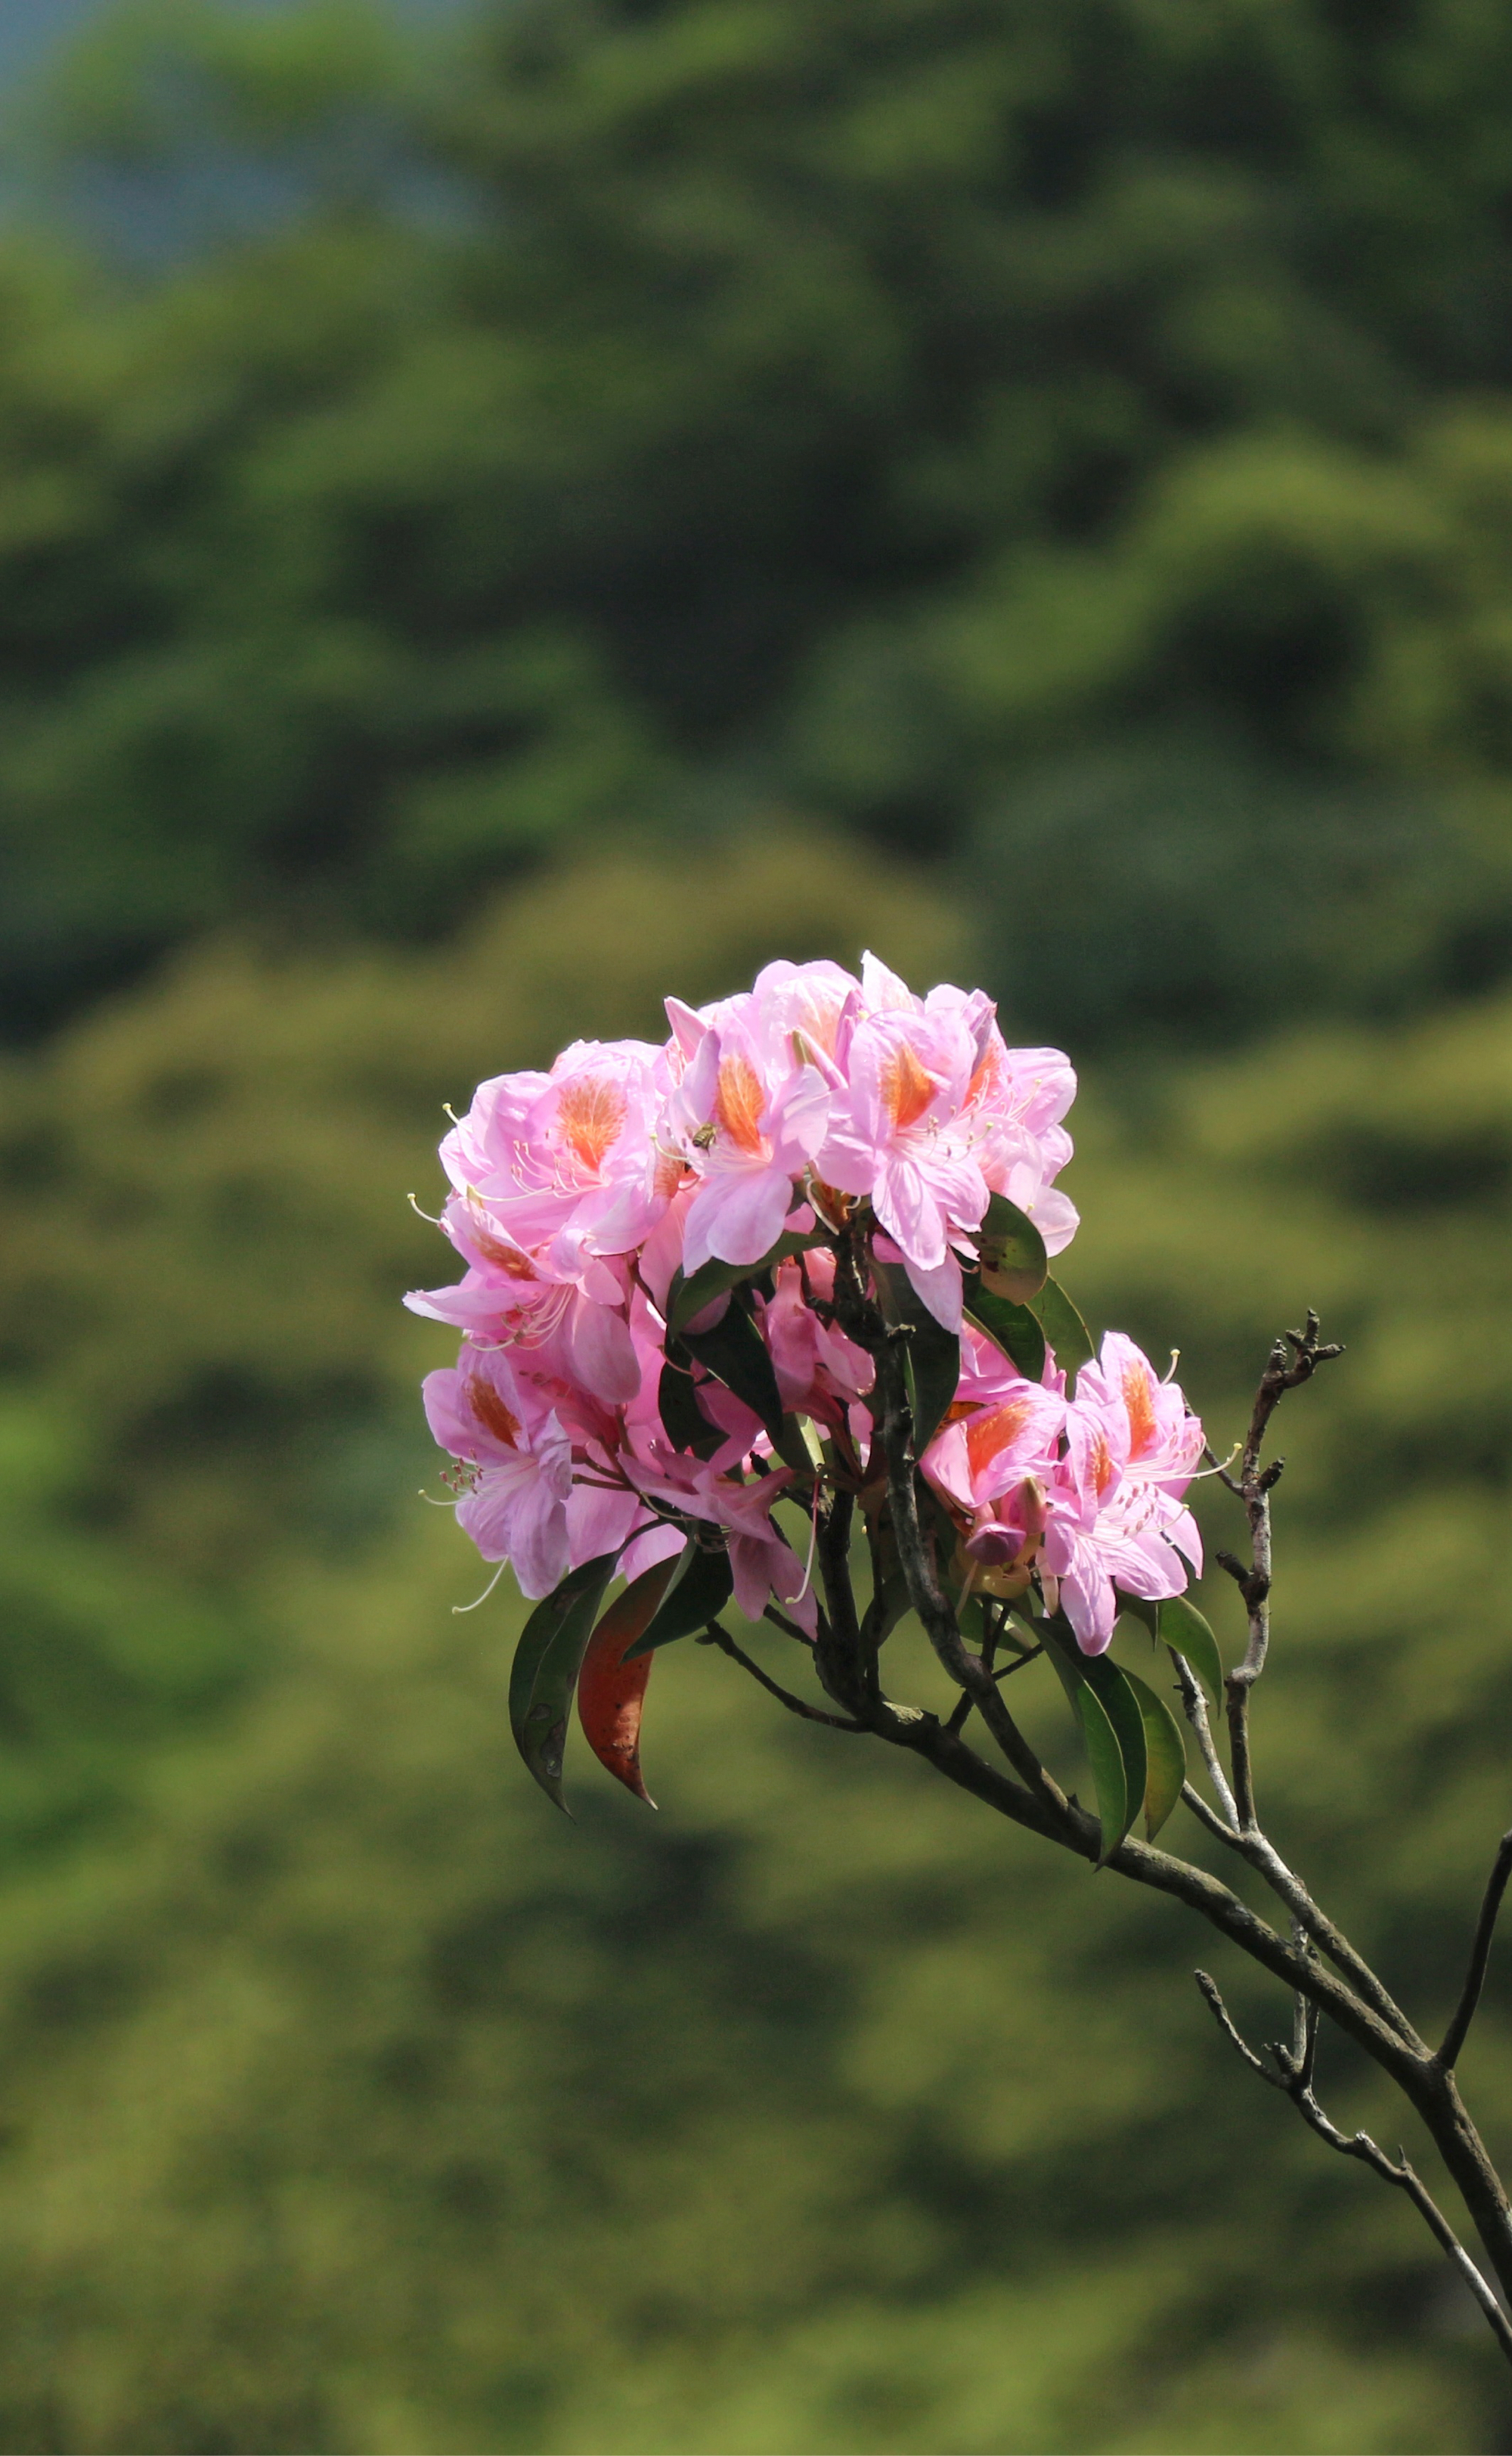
[610, 1690]
[1117, 1806]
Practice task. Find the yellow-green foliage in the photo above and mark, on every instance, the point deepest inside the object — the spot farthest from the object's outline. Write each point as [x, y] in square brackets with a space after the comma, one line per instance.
[356, 2101]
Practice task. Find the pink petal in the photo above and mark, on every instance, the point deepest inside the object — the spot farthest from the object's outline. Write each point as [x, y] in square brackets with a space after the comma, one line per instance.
[601, 1352]
[737, 1216]
[909, 1213]
[940, 1289]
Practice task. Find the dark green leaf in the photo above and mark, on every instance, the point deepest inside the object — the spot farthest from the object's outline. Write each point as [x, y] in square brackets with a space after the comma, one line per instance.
[1011, 1327]
[544, 1673]
[1108, 1773]
[932, 1354]
[1166, 1750]
[1064, 1328]
[683, 1418]
[687, 1298]
[1113, 1728]
[1140, 1609]
[1186, 1632]
[1012, 1252]
[700, 1587]
[735, 1353]
[1115, 1693]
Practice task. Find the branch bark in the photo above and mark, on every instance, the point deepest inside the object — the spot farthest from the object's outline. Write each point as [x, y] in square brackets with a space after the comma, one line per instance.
[1348, 1990]
[1454, 2037]
[1293, 2078]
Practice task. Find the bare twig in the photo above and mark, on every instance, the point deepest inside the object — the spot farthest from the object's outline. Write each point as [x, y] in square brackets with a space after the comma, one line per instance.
[1255, 1483]
[960, 1713]
[715, 1635]
[1293, 2078]
[1204, 1814]
[1020, 1662]
[1266, 1860]
[1195, 1707]
[1454, 2037]
[1255, 1486]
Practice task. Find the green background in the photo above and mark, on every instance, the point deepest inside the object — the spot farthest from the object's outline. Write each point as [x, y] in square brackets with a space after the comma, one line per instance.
[501, 521]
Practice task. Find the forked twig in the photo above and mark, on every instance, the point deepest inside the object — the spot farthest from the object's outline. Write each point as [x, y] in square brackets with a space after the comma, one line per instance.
[1293, 2078]
[1254, 1484]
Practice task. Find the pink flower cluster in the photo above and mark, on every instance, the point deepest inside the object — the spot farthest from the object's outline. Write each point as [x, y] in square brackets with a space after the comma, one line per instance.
[1086, 1491]
[812, 1108]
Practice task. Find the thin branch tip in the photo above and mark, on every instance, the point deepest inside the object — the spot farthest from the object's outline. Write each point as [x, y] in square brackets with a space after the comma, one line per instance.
[1294, 2080]
[1458, 2029]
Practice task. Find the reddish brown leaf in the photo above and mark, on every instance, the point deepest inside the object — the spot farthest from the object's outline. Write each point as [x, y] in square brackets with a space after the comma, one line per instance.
[610, 1692]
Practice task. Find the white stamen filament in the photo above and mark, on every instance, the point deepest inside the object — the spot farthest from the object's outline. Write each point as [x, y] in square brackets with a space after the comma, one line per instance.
[487, 1590]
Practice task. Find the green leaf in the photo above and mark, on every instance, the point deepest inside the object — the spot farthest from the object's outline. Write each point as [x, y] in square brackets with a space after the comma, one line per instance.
[1109, 1772]
[1166, 1750]
[1115, 1693]
[1011, 1252]
[1011, 1327]
[932, 1355]
[1138, 1607]
[1185, 1631]
[1064, 1328]
[545, 1672]
[735, 1353]
[687, 1298]
[1113, 1728]
[701, 1586]
[683, 1418]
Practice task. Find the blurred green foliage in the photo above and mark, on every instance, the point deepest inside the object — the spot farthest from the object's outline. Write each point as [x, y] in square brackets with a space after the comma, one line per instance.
[356, 2101]
[1062, 438]
[489, 535]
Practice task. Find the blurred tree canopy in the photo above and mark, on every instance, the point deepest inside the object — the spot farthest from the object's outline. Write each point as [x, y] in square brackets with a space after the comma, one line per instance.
[495, 528]
[353, 2100]
[1062, 440]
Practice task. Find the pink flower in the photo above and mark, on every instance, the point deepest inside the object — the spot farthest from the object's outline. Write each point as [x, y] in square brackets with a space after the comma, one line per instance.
[1008, 1532]
[515, 1506]
[749, 1121]
[573, 1153]
[561, 1301]
[579, 1193]
[762, 1563]
[1116, 1516]
[890, 1138]
[1016, 1101]
[988, 1451]
[819, 1372]
[1164, 1439]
